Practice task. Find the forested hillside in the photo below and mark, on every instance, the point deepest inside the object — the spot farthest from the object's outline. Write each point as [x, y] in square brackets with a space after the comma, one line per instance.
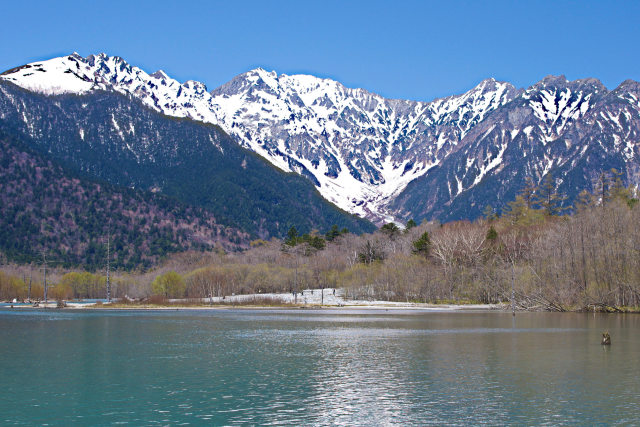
[113, 137]
[45, 209]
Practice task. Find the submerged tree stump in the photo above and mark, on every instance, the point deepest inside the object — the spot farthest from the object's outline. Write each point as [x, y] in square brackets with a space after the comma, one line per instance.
[606, 338]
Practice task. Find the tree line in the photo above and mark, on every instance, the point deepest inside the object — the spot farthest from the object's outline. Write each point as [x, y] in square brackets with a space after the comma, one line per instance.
[588, 259]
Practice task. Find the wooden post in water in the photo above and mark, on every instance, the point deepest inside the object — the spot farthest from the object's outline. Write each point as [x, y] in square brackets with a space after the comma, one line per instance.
[30, 277]
[44, 261]
[513, 295]
[108, 256]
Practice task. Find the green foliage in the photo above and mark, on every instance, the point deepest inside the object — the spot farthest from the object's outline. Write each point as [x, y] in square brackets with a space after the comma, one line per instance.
[548, 199]
[292, 236]
[45, 207]
[489, 213]
[334, 233]
[410, 224]
[169, 285]
[492, 234]
[422, 246]
[391, 230]
[314, 241]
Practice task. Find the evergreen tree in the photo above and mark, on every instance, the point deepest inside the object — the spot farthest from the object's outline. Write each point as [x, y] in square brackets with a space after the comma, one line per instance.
[549, 200]
[492, 234]
[528, 191]
[410, 224]
[292, 236]
[390, 229]
[422, 246]
[332, 233]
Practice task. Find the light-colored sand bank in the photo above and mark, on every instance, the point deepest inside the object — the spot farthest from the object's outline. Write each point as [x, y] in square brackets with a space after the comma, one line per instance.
[308, 298]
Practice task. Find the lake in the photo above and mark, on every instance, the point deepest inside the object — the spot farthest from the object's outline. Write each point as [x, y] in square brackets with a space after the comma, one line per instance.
[319, 367]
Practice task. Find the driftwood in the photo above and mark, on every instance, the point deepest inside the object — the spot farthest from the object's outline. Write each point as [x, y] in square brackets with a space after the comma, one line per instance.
[603, 308]
[536, 303]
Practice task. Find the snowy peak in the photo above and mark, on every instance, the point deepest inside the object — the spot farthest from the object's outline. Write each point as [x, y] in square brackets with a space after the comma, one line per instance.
[558, 103]
[75, 74]
[360, 149]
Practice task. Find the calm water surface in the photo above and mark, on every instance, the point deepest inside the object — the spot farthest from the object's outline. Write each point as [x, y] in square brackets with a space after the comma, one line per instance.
[316, 367]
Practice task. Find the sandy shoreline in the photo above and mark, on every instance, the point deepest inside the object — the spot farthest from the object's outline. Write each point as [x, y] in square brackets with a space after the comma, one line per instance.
[312, 299]
[433, 308]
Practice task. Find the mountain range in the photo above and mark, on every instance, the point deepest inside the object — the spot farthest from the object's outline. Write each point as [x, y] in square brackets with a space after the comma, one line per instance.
[382, 159]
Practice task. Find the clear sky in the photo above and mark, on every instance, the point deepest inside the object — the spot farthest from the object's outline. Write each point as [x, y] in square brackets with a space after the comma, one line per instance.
[400, 49]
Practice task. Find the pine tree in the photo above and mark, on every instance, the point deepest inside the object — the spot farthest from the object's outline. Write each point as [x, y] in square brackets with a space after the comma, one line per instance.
[332, 233]
[422, 246]
[516, 210]
[548, 198]
[492, 234]
[391, 230]
[292, 236]
[528, 191]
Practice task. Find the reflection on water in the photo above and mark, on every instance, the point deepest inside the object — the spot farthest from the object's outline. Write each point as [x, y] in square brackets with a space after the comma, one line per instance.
[322, 367]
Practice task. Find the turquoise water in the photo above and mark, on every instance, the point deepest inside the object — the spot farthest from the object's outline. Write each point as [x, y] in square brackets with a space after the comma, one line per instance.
[316, 367]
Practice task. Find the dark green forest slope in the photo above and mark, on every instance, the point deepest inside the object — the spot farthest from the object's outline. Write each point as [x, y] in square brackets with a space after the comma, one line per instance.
[47, 209]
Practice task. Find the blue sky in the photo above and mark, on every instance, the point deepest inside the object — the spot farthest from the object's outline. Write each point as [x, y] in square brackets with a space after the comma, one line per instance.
[401, 49]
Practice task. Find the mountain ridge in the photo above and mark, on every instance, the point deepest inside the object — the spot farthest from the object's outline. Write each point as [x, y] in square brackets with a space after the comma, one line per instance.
[366, 153]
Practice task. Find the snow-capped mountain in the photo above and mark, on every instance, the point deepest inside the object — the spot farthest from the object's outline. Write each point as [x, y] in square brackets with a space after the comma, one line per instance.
[573, 130]
[359, 148]
[383, 158]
